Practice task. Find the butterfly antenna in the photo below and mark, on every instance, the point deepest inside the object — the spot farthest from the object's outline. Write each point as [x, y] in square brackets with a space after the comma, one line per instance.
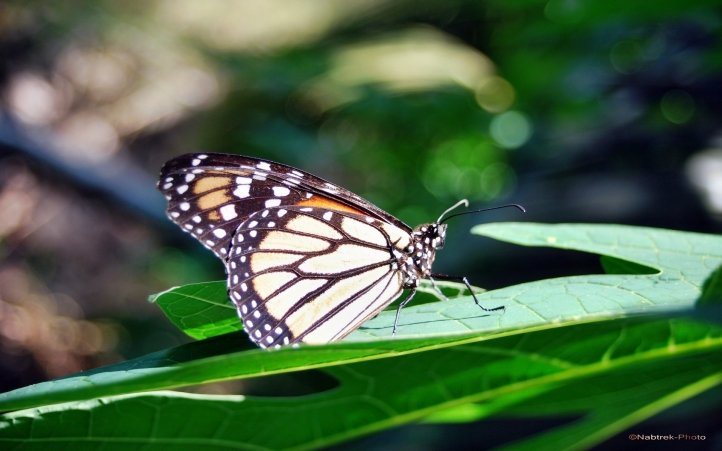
[462, 201]
[476, 211]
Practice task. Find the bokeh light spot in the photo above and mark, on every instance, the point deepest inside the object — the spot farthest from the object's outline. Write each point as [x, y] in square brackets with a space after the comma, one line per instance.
[564, 12]
[494, 94]
[627, 57]
[470, 168]
[677, 106]
[511, 129]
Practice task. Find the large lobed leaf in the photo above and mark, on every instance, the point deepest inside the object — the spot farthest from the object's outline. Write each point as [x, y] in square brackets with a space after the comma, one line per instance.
[585, 367]
[665, 269]
[554, 336]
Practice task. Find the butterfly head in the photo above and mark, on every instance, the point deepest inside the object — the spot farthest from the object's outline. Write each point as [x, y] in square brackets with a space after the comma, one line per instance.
[430, 236]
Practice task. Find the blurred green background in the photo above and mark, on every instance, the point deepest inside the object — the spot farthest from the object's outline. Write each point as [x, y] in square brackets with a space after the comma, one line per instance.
[581, 110]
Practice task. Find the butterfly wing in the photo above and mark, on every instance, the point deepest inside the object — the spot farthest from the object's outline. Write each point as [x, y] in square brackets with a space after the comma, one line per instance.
[312, 274]
[210, 195]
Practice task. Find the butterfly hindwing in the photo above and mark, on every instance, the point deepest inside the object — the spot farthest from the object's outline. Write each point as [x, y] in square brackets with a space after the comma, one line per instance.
[311, 274]
[210, 195]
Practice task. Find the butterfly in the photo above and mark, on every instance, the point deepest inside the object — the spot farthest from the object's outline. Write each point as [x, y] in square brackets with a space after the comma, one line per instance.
[307, 261]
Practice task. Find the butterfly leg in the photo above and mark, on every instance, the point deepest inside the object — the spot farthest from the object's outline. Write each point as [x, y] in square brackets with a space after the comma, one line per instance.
[468, 286]
[398, 310]
[438, 290]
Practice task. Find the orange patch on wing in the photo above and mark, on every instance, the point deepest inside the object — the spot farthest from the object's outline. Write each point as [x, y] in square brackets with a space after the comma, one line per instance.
[214, 216]
[210, 183]
[213, 200]
[324, 202]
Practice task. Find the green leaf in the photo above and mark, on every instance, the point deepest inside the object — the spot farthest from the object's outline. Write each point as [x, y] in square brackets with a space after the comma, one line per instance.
[652, 269]
[230, 356]
[712, 290]
[568, 337]
[682, 261]
[576, 369]
[201, 310]
[613, 265]
[532, 304]
[618, 413]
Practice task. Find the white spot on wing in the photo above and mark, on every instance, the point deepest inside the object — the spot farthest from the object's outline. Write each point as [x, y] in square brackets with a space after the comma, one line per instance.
[185, 206]
[196, 162]
[281, 213]
[219, 233]
[242, 191]
[264, 165]
[270, 203]
[280, 191]
[327, 215]
[190, 177]
[228, 212]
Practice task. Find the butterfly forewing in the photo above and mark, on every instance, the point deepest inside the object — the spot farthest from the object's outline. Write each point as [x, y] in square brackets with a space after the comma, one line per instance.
[209, 195]
[311, 274]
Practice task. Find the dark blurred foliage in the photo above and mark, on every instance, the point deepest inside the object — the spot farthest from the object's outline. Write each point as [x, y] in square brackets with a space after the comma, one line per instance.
[594, 111]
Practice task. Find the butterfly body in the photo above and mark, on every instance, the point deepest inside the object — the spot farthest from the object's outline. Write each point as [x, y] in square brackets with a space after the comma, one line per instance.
[307, 261]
